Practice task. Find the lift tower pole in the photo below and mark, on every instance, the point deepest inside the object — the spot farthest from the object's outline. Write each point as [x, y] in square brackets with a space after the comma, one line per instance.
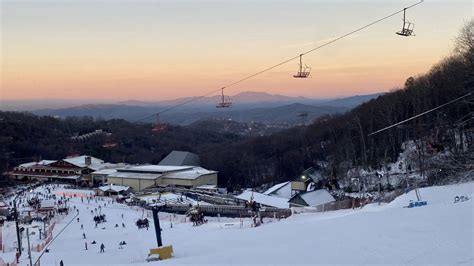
[17, 227]
[156, 221]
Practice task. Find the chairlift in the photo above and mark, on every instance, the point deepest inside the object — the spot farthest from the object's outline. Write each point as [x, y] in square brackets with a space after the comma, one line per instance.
[225, 101]
[158, 127]
[407, 29]
[304, 72]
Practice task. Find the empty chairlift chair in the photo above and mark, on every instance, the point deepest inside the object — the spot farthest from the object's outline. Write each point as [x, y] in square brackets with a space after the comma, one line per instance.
[304, 72]
[407, 29]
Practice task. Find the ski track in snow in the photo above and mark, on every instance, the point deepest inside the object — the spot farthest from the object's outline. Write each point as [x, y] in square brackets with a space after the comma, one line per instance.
[440, 233]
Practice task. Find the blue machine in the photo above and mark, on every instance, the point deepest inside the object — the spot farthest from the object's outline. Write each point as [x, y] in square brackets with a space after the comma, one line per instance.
[417, 203]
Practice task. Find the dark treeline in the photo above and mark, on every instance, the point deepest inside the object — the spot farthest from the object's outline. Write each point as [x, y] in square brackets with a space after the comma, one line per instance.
[332, 143]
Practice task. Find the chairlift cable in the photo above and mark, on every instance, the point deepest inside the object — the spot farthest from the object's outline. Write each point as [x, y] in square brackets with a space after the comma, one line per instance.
[421, 114]
[284, 62]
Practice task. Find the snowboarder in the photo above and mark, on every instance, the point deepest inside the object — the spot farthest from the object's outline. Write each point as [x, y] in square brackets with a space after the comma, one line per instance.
[102, 248]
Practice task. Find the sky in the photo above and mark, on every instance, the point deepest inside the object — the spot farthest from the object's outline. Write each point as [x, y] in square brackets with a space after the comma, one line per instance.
[155, 50]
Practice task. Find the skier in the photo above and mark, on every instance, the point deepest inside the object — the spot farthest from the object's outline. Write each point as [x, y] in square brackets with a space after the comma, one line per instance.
[123, 225]
[102, 248]
[61, 263]
[82, 226]
[77, 219]
[84, 235]
[85, 243]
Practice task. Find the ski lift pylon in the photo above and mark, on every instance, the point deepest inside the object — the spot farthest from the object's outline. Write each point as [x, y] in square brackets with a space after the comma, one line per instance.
[303, 72]
[407, 28]
[225, 100]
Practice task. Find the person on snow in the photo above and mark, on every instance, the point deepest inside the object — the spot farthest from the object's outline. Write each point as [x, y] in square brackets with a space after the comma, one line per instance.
[102, 248]
[84, 235]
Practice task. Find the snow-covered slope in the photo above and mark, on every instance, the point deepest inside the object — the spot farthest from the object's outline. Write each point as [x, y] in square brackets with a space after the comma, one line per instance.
[440, 233]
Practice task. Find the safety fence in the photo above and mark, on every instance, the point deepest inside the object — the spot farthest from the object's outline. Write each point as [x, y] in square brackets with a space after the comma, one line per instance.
[47, 240]
[227, 210]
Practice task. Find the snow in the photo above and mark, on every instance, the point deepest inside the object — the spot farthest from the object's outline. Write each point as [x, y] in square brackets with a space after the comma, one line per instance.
[40, 163]
[115, 188]
[440, 233]
[264, 199]
[317, 197]
[135, 175]
[193, 173]
[104, 172]
[282, 190]
[156, 168]
[80, 161]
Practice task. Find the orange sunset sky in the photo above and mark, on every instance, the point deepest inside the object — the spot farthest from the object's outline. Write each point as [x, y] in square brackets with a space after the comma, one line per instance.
[153, 50]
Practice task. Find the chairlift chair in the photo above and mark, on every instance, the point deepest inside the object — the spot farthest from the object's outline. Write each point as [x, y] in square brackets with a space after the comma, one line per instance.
[158, 127]
[304, 72]
[225, 101]
[407, 29]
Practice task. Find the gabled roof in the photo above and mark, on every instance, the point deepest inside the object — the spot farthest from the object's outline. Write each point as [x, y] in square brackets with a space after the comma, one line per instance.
[40, 163]
[181, 158]
[275, 188]
[264, 199]
[315, 197]
[80, 161]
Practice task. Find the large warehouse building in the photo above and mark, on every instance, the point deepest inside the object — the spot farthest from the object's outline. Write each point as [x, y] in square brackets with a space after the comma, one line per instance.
[141, 177]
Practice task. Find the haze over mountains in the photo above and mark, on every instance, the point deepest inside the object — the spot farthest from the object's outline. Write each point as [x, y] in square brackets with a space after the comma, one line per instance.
[246, 107]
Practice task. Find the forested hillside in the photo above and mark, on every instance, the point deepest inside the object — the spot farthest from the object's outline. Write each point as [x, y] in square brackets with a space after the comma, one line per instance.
[340, 142]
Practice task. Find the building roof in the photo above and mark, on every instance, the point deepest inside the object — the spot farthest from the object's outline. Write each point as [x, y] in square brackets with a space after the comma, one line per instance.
[105, 172]
[47, 203]
[135, 175]
[316, 197]
[40, 163]
[207, 187]
[264, 199]
[192, 173]
[80, 161]
[154, 169]
[114, 188]
[280, 190]
[181, 158]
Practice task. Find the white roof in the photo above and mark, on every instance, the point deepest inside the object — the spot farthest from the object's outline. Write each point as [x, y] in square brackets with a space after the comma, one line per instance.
[47, 204]
[264, 199]
[189, 174]
[115, 188]
[104, 172]
[317, 197]
[282, 190]
[100, 166]
[155, 168]
[43, 162]
[134, 175]
[207, 187]
[80, 161]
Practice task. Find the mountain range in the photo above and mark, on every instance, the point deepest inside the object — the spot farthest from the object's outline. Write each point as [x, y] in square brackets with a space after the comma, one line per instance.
[246, 107]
